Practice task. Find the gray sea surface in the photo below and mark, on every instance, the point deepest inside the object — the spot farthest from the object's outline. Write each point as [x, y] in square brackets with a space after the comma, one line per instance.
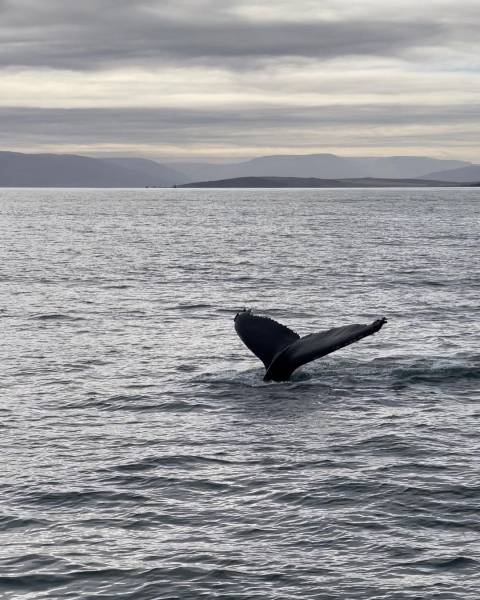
[142, 455]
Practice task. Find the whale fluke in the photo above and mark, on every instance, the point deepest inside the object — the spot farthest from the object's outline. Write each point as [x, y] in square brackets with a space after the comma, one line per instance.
[282, 350]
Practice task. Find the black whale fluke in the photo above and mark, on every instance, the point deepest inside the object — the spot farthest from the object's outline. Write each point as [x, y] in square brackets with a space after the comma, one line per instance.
[282, 350]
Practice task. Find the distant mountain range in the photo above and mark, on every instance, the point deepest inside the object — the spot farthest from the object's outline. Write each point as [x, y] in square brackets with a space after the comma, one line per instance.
[468, 174]
[324, 166]
[314, 182]
[68, 170]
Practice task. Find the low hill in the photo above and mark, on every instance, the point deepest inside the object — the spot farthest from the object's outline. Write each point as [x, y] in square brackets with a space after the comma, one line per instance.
[314, 182]
[69, 170]
[465, 174]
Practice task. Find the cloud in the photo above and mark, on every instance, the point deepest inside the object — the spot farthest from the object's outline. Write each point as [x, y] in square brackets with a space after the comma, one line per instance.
[181, 132]
[239, 77]
[99, 34]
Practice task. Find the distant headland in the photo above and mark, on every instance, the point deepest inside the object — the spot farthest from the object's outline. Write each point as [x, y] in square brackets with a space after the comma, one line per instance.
[314, 182]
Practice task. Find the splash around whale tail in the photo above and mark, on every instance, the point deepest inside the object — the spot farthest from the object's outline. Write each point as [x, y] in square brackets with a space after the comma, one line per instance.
[282, 350]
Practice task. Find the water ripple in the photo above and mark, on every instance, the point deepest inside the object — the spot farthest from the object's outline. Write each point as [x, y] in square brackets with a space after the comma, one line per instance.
[143, 456]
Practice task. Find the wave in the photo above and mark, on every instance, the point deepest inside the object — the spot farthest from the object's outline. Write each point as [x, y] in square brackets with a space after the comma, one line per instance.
[57, 317]
[457, 563]
[83, 498]
[7, 523]
[186, 461]
[137, 403]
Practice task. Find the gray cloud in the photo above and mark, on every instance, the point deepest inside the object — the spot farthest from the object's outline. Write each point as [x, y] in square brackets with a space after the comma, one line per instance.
[108, 32]
[171, 126]
[386, 75]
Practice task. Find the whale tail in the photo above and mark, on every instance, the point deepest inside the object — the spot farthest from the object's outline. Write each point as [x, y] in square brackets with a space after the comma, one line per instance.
[282, 350]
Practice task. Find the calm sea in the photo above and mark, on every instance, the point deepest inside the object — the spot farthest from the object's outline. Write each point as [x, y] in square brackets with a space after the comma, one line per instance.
[142, 456]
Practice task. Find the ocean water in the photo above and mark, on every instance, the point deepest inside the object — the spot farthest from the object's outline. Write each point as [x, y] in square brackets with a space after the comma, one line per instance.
[143, 457]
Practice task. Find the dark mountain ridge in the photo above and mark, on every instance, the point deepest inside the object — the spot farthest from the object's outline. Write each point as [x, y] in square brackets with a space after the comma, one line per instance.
[314, 182]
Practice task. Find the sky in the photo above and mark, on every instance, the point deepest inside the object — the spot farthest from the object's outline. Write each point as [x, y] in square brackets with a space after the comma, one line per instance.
[216, 80]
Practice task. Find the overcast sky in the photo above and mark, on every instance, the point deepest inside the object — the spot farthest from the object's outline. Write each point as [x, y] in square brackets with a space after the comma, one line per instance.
[228, 79]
